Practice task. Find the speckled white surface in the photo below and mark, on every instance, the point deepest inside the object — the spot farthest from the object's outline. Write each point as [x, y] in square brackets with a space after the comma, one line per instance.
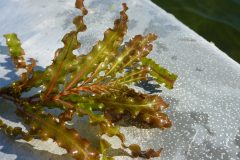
[205, 103]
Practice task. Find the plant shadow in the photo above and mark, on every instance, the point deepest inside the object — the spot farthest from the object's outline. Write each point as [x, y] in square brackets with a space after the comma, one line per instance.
[7, 66]
[25, 151]
[148, 86]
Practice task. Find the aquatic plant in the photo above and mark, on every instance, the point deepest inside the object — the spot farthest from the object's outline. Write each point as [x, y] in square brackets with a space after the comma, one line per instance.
[96, 85]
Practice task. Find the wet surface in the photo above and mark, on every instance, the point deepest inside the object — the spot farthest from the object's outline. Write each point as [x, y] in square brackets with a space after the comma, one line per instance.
[204, 105]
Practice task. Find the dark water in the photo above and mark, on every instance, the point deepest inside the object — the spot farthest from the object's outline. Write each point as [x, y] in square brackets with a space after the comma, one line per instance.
[216, 20]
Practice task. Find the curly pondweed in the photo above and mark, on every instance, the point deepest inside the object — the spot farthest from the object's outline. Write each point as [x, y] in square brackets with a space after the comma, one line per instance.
[96, 85]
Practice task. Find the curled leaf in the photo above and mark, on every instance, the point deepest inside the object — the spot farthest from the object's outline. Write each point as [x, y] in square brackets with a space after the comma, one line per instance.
[102, 53]
[12, 131]
[64, 57]
[160, 74]
[126, 99]
[137, 152]
[15, 50]
[136, 48]
[80, 5]
[47, 126]
[17, 54]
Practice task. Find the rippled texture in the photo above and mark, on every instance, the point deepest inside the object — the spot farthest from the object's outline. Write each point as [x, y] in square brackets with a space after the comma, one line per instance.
[217, 21]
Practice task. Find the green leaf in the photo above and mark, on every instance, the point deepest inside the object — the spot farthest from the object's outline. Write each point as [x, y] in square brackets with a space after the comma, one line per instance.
[102, 53]
[136, 48]
[65, 61]
[61, 66]
[134, 75]
[15, 50]
[14, 45]
[125, 99]
[86, 105]
[160, 74]
[46, 126]
[17, 55]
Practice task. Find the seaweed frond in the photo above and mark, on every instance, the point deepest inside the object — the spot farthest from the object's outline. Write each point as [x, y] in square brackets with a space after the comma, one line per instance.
[96, 85]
